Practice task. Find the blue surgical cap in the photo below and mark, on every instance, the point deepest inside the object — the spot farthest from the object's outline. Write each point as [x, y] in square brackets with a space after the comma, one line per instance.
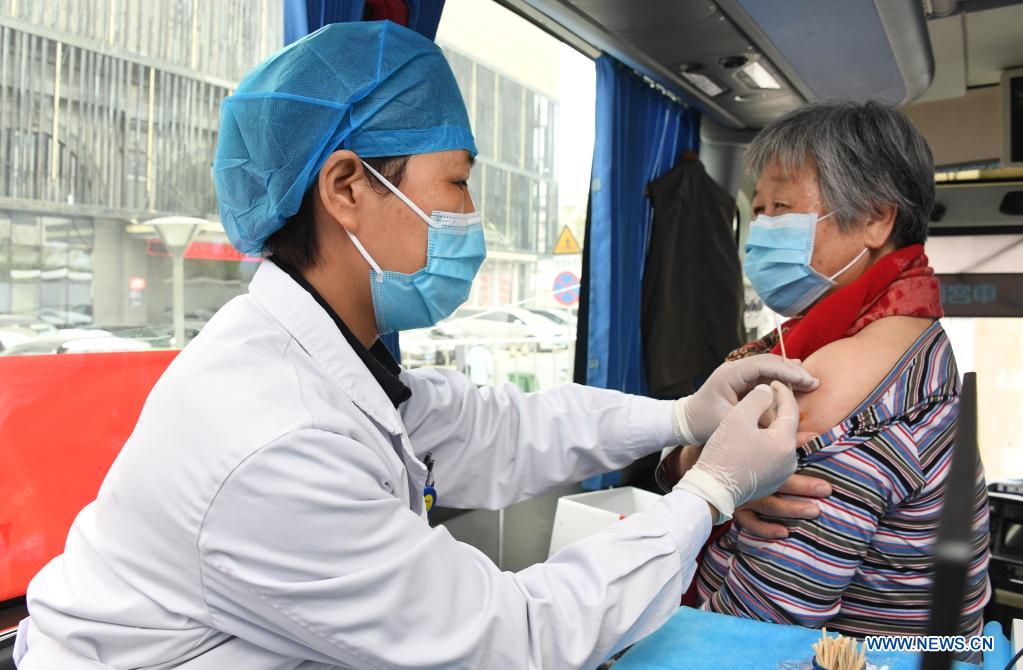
[375, 88]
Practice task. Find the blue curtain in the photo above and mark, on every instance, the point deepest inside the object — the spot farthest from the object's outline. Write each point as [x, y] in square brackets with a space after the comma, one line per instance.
[640, 135]
[424, 16]
[302, 17]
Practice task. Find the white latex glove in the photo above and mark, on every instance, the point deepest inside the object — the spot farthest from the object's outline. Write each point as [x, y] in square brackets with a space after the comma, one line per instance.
[743, 461]
[698, 415]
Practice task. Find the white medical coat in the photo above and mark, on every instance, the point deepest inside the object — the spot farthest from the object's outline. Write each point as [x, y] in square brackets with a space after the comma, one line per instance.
[267, 514]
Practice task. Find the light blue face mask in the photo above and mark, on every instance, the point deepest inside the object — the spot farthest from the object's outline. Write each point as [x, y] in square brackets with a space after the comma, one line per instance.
[778, 254]
[455, 250]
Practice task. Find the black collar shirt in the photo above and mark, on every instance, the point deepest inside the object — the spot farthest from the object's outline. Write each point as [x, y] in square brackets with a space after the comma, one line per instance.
[377, 359]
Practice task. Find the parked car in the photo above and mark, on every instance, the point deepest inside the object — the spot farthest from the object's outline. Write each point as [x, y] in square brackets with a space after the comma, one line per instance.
[514, 323]
[427, 346]
[65, 317]
[103, 344]
[11, 336]
[560, 317]
[157, 337]
[75, 341]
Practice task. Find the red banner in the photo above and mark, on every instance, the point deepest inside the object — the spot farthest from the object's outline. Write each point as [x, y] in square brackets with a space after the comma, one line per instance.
[209, 251]
[63, 420]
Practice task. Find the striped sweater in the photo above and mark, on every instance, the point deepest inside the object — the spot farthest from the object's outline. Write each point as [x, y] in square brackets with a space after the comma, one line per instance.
[865, 565]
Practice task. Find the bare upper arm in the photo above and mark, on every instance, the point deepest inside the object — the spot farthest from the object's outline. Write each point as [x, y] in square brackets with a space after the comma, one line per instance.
[850, 368]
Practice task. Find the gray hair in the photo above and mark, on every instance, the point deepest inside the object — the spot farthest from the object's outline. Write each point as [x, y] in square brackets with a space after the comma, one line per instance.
[866, 156]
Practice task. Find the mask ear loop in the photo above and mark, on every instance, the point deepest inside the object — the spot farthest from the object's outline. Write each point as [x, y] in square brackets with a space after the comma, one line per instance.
[378, 273]
[401, 196]
[404, 198]
[849, 264]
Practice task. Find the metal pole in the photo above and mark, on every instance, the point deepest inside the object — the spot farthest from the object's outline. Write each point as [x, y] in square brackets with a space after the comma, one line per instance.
[179, 298]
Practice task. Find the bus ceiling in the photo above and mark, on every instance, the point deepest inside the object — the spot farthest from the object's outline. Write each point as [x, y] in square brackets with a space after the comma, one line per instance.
[746, 62]
[965, 114]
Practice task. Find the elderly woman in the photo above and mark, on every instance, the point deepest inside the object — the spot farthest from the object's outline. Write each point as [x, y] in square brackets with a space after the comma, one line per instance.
[843, 196]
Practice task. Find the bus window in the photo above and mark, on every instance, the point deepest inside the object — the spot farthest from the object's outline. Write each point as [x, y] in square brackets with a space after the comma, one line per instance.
[531, 102]
[980, 277]
[129, 139]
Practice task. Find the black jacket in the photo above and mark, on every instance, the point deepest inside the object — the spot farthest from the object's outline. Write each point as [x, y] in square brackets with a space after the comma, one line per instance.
[692, 284]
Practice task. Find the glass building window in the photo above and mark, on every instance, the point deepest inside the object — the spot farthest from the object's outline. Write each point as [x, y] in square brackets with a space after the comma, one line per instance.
[540, 135]
[108, 118]
[511, 97]
[522, 224]
[518, 89]
[495, 205]
[485, 100]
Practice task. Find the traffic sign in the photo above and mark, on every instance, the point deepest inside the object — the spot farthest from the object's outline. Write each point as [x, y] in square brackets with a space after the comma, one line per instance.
[567, 244]
[566, 288]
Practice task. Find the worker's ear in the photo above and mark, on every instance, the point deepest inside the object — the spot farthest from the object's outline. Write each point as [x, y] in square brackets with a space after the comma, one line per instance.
[343, 187]
[878, 227]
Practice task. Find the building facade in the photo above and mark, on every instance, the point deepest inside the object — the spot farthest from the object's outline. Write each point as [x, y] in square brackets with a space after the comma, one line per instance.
[514, 183]
[108, 117]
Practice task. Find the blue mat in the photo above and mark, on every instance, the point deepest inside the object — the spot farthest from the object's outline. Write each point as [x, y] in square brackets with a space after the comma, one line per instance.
[697, 640]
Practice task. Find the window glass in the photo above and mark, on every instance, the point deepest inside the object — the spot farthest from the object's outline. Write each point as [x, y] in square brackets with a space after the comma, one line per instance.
[957, 254]
[990, 346]
[758, 318]
[511, 99]
[993, 348]
[484, 102]
[108, 119]
[522, 91]
[130, 136]
[495, 207]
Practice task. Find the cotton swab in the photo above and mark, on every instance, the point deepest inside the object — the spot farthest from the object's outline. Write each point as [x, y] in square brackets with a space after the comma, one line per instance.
[781, 338]
[839, 653]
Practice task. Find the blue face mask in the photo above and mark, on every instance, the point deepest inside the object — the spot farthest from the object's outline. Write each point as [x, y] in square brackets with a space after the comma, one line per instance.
[455, 250]
[778, 254]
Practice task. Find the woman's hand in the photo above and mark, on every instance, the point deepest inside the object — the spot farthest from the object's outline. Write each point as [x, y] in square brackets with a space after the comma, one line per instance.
[782, 505]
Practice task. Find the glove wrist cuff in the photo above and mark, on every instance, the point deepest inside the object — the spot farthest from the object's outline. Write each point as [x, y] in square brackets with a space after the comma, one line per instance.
[705, 486]
[683, 431]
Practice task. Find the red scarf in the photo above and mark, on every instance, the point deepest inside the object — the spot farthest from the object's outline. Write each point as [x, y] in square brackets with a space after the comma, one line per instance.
[900, 283]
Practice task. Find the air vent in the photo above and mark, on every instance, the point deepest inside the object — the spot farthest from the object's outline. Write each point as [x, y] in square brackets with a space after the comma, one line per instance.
[732, 62]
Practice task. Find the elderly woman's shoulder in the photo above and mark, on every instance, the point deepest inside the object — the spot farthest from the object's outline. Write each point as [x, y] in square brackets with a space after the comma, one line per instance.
[851, 368]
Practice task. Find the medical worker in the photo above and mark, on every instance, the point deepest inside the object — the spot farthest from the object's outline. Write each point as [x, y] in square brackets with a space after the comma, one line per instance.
[268, 511]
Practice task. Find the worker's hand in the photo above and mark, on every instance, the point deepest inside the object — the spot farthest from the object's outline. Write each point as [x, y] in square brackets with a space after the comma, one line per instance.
[698, 415]
[742, 461]
[794, 500]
